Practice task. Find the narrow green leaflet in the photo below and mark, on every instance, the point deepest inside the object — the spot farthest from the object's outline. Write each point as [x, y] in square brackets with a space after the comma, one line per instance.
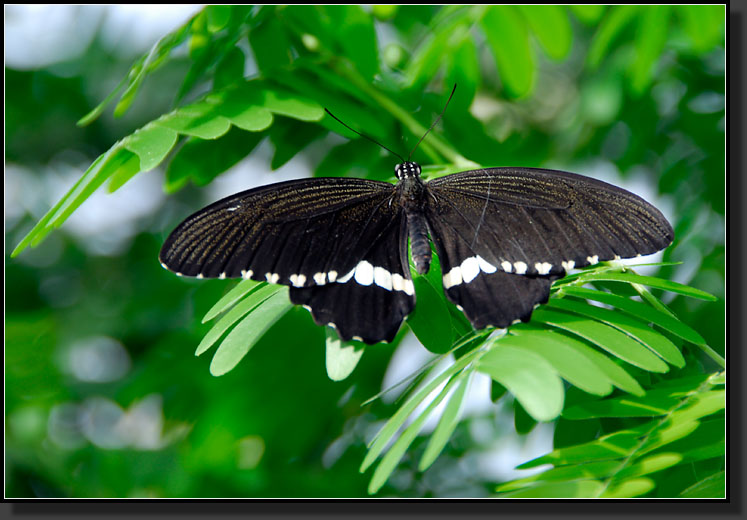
[430, 320]
[198, 119]
[592, 470]
[713, 486]
[446, 425]
[398, 419]
[629, 488]
[528, 376]
[646, 406]
[235, 314]
[99, 171]
[640, 310]
[652, 464]
[609, 29]
[151, 144]
[649, 42]
[572, 364]
[246, 334]
[394, 455]
[243, 288]
[573, 489]
[650, 281]
[341, 356]
[606, 337]
[612, 446]
[604, 365]
[508, 38]
[634, 328]
[552, 28]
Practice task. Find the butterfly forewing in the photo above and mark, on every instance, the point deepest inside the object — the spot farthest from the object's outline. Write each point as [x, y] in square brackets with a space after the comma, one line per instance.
[538, 222]
[293, 233]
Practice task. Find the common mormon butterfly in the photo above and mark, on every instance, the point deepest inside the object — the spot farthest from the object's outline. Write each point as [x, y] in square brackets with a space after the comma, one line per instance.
[502, 236]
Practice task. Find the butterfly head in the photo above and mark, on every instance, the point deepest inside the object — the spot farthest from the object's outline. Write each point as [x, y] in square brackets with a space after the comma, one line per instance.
[407, 169]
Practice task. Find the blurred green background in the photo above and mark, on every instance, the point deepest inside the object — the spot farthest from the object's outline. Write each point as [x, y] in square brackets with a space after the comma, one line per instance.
[103, 395]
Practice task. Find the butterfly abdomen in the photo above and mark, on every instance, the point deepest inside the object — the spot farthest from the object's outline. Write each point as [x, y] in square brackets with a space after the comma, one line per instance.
[412, 199]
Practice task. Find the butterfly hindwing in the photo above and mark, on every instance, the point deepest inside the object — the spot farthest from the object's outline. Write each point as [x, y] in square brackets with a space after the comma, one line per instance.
[484, 293]
[369, 302]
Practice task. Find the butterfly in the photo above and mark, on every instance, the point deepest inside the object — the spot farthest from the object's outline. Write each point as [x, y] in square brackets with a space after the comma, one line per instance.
[502, 236]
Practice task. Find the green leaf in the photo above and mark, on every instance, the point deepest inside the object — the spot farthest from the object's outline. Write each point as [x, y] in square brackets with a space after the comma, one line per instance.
[587, 13]
[290, 137]
[657, 343]
[613, 446]
[508, 38]
[271, 46]
[713, 486]
[630, 488]
[243, 288]
[650, 281]
[241, 110]
[386, 433]
[151, 144]
[129, 167]
[606, 337]
[250, 330]
[356, 37]
[610, 28]
[342, 356]
[528, 376]
[572, 364]
[202, 160]
[651, 464]
[430, 320]
[615, 373]
[590, 471]
[394, 455]
[649, 43]
[640, 310]
[574, 489]
[198, 119]
[623, 407]
[245, 306]
[102, 168]
[218, 16]
[446, 425]
[230, 68]
[704, 24]
[551, 27]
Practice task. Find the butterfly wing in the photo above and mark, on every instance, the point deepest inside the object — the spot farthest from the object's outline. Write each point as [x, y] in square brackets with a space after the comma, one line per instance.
[369, 302]
[490, 225]
[326, 238]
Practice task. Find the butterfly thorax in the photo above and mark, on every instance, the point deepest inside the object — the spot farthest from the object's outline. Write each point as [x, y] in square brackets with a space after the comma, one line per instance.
[412, 192]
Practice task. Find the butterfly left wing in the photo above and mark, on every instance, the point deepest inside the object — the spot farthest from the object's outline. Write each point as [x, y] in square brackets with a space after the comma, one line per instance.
[337, 242]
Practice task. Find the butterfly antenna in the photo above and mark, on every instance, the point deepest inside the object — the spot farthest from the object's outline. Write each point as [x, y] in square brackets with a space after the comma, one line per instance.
[434, 122]
[363, 135]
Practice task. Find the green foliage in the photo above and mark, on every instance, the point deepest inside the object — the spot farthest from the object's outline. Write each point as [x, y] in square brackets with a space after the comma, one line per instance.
[635, 392]
[529, 360]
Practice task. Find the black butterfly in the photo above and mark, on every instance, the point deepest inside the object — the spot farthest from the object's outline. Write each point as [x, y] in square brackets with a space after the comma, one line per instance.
[502, 236]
